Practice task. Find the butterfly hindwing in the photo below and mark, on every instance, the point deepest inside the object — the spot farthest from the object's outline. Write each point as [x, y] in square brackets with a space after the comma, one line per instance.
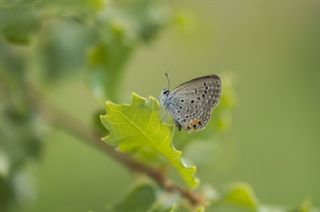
[193, 101]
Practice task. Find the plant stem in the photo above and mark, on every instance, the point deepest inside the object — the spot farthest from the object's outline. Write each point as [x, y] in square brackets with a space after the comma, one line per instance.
[70, 124]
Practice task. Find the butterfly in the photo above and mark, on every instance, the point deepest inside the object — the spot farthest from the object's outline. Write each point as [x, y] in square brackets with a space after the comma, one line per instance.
[191, 103]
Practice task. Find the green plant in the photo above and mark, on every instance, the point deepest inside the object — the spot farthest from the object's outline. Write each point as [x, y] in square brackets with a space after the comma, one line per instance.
[51, 42]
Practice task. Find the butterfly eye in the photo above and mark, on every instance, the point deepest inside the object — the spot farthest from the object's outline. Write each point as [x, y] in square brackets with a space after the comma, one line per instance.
[165, 92]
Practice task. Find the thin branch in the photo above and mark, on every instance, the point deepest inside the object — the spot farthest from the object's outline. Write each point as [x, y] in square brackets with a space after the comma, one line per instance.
[73, 126]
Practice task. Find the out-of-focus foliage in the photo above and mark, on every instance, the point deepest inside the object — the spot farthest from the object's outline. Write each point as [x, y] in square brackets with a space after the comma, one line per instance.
[241, 195]
[137, 129]
[15, 28]
[62, 47]
[121, 29]
[20, 129]
[51, 40]
[140, 198]
[45, 43]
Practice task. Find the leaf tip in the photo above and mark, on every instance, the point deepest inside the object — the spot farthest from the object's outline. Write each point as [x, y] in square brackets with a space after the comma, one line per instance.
[102, 116]
[154, 102]
[107, 103]
[135, 98]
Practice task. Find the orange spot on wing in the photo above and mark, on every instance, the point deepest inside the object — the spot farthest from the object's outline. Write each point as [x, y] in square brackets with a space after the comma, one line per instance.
[193, 123]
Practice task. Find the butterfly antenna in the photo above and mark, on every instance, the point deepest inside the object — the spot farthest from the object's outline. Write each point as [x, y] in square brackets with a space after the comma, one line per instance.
[167, 76]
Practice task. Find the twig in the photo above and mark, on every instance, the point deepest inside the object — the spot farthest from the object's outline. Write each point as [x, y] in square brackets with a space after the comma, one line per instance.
[73, 126]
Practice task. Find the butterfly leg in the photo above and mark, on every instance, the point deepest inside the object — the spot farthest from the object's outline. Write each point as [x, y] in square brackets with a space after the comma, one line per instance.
[178, 125]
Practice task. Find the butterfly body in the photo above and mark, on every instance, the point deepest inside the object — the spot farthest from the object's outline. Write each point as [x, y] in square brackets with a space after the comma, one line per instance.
[191, 103]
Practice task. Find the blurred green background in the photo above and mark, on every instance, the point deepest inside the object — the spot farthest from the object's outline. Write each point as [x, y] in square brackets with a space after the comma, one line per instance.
[271, 51]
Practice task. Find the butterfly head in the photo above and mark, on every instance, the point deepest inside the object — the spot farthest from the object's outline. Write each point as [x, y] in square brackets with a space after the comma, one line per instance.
[163, 97]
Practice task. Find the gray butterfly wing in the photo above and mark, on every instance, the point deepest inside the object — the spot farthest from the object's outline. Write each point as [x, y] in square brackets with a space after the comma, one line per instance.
[191, 103]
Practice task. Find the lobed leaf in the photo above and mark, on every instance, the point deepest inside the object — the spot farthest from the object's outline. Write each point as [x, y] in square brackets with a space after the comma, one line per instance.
[136, 129]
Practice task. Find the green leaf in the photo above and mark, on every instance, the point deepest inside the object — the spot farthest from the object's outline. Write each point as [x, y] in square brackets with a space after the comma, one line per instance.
[147, 16]
[241, 194]
[166, 202]
[60, 54]
[306, 206]
[139, 199]
[18, 23]
[122, 28]
[105, 63]
[136, 129]
[173, 209]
